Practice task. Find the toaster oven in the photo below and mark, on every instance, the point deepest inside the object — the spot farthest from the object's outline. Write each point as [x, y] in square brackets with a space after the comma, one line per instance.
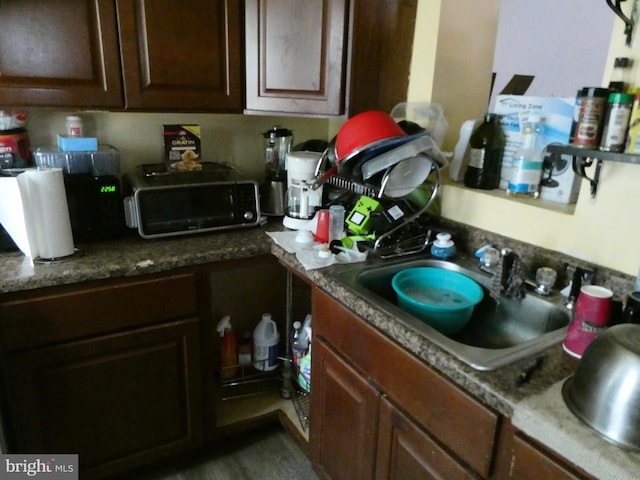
[162, 204]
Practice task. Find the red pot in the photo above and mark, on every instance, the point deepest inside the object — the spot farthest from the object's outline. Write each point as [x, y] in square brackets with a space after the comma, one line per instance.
[363, 131]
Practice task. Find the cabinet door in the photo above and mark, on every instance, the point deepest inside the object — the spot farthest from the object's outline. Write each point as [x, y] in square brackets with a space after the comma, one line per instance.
[459, 421]
[118, 401]
[62, 53]
[381, 49]
[181, 56]
[295, 55]
[406, 452]
[344, 416]
[530, 463]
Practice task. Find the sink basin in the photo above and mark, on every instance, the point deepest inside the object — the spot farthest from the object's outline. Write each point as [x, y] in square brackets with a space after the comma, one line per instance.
[497, 334]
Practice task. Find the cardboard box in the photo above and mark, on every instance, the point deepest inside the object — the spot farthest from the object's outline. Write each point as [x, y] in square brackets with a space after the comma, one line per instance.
[77, 144]
[563, 185]
[557, 113]
[182, 148]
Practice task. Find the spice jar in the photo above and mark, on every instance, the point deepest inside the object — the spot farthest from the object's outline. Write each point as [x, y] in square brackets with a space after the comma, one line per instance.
[74, 126]
[593, 105]
[616, 122]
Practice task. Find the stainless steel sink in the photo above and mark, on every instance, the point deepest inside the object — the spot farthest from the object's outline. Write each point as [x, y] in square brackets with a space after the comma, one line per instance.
[497, 334]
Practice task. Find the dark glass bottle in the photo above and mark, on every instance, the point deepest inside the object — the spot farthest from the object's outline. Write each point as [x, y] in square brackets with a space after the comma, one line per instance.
[486, 147]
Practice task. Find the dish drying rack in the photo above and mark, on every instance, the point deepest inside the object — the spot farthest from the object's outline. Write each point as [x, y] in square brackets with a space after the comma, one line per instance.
[407, 237]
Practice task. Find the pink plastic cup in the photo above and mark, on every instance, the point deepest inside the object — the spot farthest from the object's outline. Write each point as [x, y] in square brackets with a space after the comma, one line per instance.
[322, 230]
[593, 311]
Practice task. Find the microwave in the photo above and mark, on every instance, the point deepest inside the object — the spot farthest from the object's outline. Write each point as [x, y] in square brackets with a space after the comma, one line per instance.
[164, 204]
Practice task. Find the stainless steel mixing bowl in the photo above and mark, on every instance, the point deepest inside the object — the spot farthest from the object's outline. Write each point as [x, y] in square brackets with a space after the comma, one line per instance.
[605, 391]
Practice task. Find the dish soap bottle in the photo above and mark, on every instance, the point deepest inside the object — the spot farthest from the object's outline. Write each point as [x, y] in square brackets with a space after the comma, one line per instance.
[527, 162]
[228, 349]
[443, 247]
[486, 148]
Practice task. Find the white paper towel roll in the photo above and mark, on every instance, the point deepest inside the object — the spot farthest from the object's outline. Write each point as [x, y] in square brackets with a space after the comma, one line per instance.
[461, 151]
[34, 211]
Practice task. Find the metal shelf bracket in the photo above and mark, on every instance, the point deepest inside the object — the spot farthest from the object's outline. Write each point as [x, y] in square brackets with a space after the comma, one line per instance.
[585, 158]
[580, 164]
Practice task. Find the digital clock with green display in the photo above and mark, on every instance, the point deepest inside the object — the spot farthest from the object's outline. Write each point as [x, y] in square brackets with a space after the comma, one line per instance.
[107, 188]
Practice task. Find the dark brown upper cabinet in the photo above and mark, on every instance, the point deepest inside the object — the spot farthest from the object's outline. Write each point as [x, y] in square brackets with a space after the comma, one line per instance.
[55, 53]
[132, 54]
[381, 49]
[296, 56]
[328, 57]
[184, 56]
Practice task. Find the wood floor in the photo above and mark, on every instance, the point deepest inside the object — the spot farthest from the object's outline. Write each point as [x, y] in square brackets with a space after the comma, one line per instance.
[268, 453]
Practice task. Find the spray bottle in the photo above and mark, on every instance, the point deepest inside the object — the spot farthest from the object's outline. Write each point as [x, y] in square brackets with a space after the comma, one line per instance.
[228, 349]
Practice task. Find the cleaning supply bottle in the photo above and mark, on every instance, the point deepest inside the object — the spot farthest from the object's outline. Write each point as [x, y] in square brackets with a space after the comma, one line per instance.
[299, 343]
[228, 349]
[304, 373]
[265, 344]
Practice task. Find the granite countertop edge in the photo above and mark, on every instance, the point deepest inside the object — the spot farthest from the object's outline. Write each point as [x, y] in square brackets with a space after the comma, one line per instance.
[131, 256]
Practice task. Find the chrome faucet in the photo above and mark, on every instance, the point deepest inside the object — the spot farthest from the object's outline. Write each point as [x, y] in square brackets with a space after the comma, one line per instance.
[507, 274]
[579, 275]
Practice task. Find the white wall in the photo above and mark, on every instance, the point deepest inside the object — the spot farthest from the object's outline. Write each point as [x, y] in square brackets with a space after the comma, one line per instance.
[604, 230]
[234, 139]
[533, 38]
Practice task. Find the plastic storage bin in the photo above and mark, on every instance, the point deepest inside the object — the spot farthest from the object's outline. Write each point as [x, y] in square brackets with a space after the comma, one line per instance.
[104, 161]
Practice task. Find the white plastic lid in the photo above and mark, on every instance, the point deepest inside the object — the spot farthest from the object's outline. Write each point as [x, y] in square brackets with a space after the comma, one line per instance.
[443, 240]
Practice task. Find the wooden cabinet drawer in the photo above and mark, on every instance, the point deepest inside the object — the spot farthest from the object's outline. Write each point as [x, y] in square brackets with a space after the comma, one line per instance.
[455, 418]
[406, 452]
[530, 463]
[29, 319]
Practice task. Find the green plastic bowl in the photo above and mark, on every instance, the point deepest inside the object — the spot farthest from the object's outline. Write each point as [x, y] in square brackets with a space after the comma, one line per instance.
[441, 298]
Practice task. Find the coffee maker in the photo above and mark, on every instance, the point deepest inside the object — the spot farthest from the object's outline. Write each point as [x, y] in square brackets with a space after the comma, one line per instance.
[277, 144]
[301, 200]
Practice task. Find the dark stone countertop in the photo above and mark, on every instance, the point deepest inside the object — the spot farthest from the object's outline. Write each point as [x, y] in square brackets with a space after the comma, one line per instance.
[133, 256]
[496, 388]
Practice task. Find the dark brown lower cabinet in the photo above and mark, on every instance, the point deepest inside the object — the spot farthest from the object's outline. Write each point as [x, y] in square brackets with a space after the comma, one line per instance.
[343, 441]
[115, 400]
[108, 370]
[378, 412]
[123, 371]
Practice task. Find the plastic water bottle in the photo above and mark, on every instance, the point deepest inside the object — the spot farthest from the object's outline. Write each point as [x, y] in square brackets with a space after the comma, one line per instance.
[527, 162]
[265, 344]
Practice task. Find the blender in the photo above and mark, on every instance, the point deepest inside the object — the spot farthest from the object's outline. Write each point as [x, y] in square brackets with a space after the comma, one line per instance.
[277, 143]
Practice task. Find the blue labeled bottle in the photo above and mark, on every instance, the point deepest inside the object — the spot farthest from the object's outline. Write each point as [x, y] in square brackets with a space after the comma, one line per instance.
[526, 169]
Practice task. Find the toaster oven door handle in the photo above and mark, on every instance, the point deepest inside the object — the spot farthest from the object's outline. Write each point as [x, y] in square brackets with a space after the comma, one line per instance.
[130, 212]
